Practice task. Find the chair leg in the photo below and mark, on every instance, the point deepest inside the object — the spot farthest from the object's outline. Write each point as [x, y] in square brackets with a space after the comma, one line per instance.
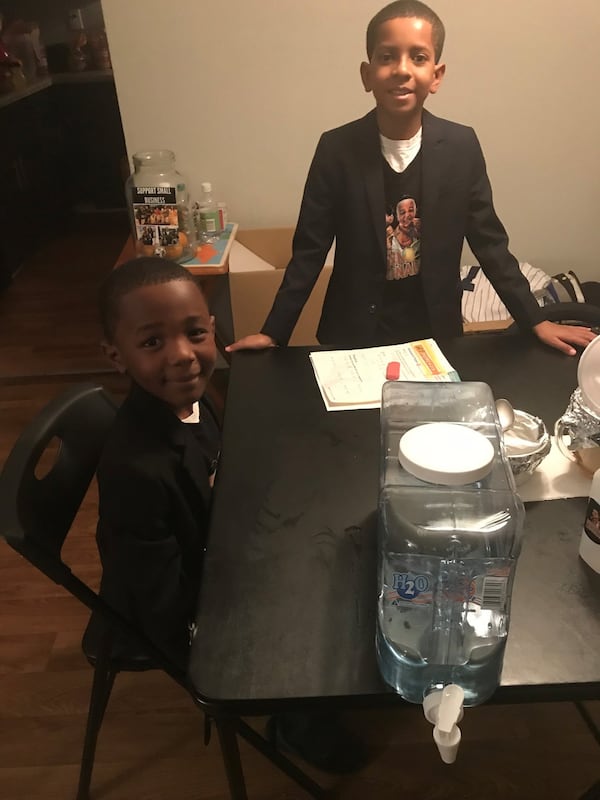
[265, 747]
[226, 728]
[104, 678]
[593, 793]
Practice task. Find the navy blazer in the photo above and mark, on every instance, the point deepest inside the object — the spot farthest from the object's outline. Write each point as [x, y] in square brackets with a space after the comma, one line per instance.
[344, 198]
[154, 502]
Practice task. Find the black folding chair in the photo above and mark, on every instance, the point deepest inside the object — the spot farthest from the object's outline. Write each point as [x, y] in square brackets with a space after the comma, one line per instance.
[573, 314]
[585, 314]
[36, 514]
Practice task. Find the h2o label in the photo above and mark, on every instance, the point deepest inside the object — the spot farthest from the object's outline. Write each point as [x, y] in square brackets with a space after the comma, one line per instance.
[409, 585]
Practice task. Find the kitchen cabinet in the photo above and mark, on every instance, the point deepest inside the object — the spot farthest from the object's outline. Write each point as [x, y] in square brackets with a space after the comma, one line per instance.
[31, 196]
[95, 155]
[61, 150]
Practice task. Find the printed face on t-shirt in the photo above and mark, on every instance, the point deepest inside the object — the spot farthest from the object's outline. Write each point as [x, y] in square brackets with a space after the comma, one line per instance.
[403, 241]
[406, 211]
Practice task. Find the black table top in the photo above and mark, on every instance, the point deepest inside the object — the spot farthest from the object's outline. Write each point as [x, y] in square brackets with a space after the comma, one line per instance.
[287, 606]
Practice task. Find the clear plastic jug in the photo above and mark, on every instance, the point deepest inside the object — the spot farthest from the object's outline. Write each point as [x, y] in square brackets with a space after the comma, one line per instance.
[447, 550]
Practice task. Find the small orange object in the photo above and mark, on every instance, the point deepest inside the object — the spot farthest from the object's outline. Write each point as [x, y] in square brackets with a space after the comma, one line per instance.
[205, 253]
[174, 250]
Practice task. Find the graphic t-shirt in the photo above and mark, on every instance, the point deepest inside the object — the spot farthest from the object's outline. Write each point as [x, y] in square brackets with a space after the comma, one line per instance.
[404, 314]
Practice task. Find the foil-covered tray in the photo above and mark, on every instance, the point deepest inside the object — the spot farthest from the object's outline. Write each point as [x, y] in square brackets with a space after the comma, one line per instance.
[579, 426]
[526, 443]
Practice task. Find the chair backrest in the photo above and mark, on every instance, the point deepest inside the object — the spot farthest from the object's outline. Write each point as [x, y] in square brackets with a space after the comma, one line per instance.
[573, 313]
[36, 513]
[585, 314]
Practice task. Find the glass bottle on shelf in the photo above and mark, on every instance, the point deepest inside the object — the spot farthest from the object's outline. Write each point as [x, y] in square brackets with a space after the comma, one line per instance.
[158, 203]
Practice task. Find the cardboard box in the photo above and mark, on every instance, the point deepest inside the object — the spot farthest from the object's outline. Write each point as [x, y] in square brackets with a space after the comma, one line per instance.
[490, 326]
[254, 277]
[253, 289]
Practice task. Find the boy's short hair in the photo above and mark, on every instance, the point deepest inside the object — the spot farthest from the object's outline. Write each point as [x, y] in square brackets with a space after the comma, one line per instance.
[407, 8]
[147, 271]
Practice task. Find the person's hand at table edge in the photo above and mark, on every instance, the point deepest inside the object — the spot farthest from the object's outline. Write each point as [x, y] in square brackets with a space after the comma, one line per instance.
[563, 337]
[256, 341]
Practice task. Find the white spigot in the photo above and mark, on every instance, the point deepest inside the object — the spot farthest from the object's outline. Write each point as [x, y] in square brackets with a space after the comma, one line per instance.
[444, 709]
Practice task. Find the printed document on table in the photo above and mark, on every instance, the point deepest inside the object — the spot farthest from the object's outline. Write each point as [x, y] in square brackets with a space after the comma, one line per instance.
[350, 379]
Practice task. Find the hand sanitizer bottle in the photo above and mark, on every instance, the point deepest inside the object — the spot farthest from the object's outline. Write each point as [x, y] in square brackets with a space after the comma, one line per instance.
[210, 227]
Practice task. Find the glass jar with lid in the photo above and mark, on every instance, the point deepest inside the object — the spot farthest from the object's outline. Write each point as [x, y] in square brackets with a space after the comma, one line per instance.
[158, 203]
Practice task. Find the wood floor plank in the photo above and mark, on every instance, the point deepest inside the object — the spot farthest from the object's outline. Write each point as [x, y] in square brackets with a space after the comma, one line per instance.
[25, 652]
[50, 309]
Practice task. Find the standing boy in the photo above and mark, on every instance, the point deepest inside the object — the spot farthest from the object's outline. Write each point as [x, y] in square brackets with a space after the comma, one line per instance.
[368, 165]
[157, 467]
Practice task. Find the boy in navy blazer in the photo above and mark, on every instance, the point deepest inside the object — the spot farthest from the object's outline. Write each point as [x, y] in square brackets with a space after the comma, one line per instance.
[157, 468]
[384, 288]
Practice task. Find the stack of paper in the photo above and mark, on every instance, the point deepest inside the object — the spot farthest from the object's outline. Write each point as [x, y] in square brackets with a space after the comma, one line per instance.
[349, 379]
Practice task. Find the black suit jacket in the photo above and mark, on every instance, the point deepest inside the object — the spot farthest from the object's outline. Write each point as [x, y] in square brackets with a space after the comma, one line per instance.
[344, 199]
[154, 500]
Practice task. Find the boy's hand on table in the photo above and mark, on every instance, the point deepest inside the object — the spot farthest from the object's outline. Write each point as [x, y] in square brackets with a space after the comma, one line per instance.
[563, 337]
[256, 341]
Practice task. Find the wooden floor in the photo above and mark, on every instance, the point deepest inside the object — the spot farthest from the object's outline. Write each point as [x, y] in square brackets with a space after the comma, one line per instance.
[151, 742]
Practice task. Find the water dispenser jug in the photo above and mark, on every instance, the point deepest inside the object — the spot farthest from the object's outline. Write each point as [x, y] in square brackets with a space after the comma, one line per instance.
[450, 527]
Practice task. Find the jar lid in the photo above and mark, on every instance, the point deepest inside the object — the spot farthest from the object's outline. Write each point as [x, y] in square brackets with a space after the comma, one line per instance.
[588, 375]
[150, 157]
[446, 453]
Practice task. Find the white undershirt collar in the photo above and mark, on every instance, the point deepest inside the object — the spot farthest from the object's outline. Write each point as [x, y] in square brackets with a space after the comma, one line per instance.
[400, 152]
[195, 415]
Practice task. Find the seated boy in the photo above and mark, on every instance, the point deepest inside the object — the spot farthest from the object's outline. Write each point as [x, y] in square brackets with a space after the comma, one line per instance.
[156, 473]
[157, 467]
[380, 293]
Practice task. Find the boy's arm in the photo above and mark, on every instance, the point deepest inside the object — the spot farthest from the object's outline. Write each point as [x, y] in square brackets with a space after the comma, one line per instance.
[314, 235]
[488, 240]
[142, 559]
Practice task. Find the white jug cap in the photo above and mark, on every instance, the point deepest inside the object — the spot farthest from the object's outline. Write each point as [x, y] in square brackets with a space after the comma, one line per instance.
[588, 375]
[446, 452]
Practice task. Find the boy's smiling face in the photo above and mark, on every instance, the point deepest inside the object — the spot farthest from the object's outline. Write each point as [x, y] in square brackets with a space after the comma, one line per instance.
[401, 74]
[164, 340]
